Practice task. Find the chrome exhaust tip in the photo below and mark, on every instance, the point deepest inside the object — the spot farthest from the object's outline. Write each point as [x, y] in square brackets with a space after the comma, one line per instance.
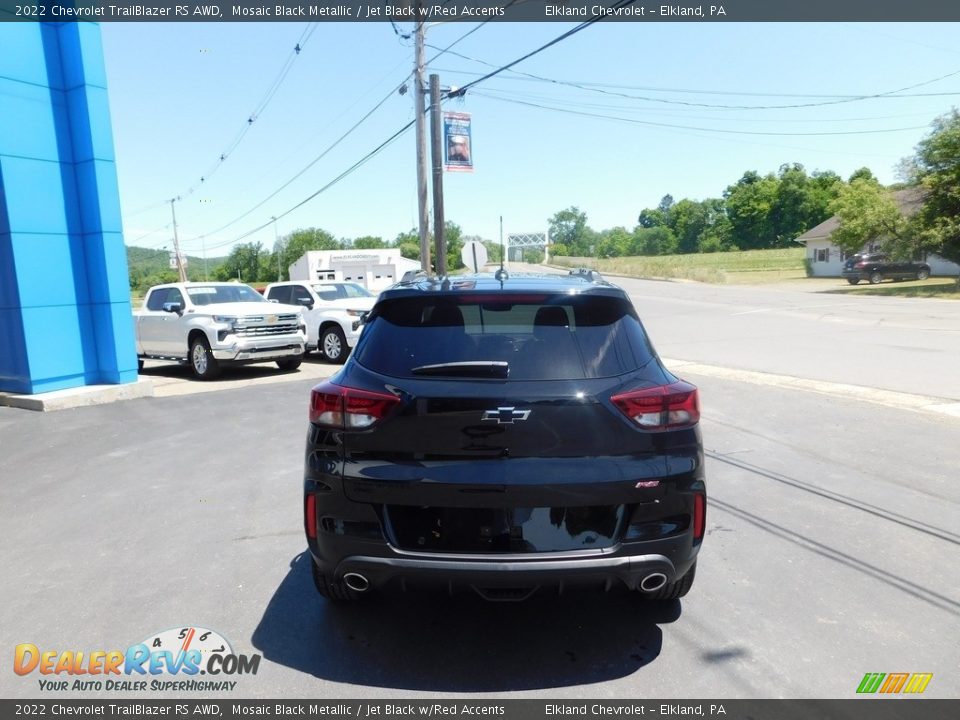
[356, 582]
[653, 581]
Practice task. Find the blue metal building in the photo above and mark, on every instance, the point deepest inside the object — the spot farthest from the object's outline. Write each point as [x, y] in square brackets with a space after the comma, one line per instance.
[65, 316]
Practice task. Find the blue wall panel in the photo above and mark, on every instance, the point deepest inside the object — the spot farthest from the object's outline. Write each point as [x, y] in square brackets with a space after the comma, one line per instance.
[65, 316]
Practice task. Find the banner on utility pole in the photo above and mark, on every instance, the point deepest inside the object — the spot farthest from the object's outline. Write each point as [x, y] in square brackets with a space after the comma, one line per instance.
[457, 143]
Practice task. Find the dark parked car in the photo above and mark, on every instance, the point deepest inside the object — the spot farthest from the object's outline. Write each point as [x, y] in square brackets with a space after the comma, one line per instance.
[877, 266]
[504, 436]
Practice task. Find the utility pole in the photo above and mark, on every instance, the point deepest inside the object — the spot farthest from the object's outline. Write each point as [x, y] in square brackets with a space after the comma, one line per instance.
[176, 244]
[276, 247]
[418, 97]
[438, 223]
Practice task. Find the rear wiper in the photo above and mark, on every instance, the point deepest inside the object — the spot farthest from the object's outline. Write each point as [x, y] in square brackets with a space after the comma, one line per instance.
[471, 368]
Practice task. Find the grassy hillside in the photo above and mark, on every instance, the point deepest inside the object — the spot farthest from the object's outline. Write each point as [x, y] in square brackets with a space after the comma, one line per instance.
[150, 260]
[742, 266]
[149, 266]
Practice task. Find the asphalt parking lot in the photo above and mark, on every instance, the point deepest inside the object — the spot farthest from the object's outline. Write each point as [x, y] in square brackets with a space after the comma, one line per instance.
[832, 533]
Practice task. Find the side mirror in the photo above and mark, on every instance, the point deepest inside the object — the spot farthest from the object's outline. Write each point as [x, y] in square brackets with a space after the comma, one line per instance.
[306, 302]
[173, 307]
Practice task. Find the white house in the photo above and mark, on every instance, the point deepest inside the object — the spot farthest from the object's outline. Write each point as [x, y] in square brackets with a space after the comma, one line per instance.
[374, 269]
[826, 259]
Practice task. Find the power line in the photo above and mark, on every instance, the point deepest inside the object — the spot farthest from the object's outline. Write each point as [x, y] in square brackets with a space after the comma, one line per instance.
[460, 92]
[323, 189]
[335, 143]
[567, 101]
[309, 165]
[529, 77]
[252, 117]
[599, 88]
[701, 129]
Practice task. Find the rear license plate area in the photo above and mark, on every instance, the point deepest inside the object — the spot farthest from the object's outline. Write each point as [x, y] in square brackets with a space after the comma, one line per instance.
[503, 530]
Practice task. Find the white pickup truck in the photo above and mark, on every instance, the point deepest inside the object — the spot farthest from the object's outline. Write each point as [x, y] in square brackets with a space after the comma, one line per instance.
[333, 311]
[210, 324]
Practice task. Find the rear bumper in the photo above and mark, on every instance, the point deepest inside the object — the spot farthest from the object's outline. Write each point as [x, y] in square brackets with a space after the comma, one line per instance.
[512, 573]
[855, 275]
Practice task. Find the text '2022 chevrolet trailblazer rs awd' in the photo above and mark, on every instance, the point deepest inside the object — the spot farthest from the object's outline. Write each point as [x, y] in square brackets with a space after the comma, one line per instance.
[504, 435]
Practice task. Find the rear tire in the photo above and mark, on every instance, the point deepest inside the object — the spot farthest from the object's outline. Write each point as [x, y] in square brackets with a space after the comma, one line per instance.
[139, 364]
[923, 274]
[853, 281]
[331, 590]
[333, 344]
[674, 590]
[289, 364]
[204, 365]
[875, 278]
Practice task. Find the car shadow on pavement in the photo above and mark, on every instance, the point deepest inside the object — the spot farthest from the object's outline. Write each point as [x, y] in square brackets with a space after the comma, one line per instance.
[180, 371]
[461, 643]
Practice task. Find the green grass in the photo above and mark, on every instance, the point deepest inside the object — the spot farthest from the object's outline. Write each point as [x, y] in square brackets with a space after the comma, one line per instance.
[939, 287]
[744, 266]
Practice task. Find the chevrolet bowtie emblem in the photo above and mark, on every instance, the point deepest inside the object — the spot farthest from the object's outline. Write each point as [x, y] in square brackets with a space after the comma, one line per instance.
[506, 415]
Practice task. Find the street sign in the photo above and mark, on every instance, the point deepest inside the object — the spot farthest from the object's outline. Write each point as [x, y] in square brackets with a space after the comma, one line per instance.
[474, 255]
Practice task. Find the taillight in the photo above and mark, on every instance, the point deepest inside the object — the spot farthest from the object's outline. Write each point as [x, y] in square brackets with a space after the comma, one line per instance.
[699, 515]
[348, 408]
[662, 407]
[310, 516]
[860, 265]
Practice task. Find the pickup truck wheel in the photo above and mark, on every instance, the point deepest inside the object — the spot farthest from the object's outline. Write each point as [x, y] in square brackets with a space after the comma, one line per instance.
[875, 278]
[853, 281]
[289, 363]
[204, 364]
[923, 274]
[333, 344]
[674, 590]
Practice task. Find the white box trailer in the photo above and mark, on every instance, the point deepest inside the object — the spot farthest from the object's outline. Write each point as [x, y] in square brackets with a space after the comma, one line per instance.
[373, 269]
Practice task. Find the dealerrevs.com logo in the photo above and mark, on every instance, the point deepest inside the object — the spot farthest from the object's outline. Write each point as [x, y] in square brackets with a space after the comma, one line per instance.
[170, 660]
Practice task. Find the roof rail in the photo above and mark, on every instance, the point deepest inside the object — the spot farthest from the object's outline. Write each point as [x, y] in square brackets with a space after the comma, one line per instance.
[587, 273]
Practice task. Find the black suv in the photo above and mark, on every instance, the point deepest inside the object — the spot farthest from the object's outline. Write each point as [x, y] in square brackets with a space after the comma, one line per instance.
[504, 435]
[877, 266]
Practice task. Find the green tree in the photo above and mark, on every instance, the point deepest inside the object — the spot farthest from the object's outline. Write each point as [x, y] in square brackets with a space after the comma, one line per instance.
[247, 262]
[653, 241]
[688, 220]
[801, 202]
[651, 217]
[749, 203]
[291, 247]
[615, 242]
[368, 242]
[716, 237]
[867, 212]
[409, 244]
[937, 171]
[569, 229]
[863, 173]
[453, 237]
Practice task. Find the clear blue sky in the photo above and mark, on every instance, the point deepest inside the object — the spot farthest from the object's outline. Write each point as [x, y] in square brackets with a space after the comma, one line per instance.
[181, 93]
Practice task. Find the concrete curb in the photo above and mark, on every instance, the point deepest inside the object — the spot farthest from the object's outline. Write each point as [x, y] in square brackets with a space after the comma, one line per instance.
[79, 397]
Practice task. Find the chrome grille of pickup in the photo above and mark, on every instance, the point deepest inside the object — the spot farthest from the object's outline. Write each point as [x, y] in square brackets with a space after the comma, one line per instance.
[267, 325]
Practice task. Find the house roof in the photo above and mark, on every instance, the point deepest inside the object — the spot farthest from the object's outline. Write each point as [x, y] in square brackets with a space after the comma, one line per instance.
[908, 200]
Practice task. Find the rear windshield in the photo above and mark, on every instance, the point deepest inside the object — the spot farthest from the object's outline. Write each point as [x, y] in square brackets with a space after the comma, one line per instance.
[540, 337]
[211, 294]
